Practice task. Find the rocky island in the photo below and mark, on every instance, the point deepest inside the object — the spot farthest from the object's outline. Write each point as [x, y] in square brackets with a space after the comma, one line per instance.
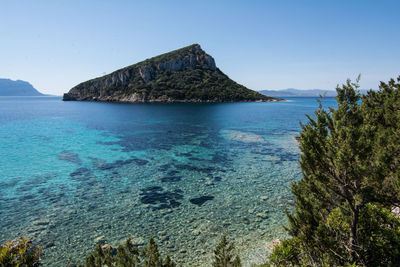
[185, 75]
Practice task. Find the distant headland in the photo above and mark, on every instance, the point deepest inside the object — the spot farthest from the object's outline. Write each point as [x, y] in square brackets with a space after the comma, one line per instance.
[291, 92]
[184, 75]
[17, 88]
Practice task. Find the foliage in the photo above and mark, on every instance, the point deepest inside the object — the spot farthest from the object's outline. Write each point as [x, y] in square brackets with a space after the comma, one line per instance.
[126, 255]
[20, 253]
[286, 254]
[152, 257]
[350, 165]
[224, 255]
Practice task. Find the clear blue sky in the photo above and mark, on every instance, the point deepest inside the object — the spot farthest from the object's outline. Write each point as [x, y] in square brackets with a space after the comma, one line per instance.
[261, 44]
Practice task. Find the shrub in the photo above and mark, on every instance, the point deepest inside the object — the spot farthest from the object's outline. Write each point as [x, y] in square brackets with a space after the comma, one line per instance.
[224, 255]
[20, 253]
[351, 182]
[126, 255]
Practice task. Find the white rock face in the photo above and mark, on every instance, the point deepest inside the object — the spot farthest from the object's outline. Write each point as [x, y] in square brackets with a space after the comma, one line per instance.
[146, 72]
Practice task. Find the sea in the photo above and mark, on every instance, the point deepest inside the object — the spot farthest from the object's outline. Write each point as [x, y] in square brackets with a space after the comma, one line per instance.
[77, 174]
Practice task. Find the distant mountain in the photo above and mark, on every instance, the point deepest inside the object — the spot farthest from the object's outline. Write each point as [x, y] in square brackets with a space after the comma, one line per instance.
[184, 75]
[17, 88]
[298, 93]
[291, 92]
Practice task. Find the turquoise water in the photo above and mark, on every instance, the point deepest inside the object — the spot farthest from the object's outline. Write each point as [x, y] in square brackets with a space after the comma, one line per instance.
[74, 173]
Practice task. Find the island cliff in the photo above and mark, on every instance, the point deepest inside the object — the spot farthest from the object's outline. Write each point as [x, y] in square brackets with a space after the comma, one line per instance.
[184, 75]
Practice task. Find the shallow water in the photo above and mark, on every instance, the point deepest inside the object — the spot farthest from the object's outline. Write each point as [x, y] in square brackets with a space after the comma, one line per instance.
[72, 172]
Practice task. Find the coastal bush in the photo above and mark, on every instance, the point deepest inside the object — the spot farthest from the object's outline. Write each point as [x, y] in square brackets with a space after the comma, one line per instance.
[224, 254]
[19, 253]
[346, 200]
[22, 253]
[127, 255]
[152, 257]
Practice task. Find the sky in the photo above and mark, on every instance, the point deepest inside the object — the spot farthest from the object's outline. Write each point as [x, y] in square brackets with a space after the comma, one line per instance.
[279, 44]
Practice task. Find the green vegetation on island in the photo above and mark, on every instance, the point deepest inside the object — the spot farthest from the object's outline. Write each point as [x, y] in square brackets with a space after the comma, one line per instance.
[184, 75]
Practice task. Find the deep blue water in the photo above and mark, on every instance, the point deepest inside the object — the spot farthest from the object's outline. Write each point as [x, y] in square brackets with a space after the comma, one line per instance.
[71, 172]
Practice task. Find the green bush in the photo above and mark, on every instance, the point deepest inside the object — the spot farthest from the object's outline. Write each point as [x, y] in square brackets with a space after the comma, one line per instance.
[126, 255]
[351, 182]
[19, 253]
[224, 255]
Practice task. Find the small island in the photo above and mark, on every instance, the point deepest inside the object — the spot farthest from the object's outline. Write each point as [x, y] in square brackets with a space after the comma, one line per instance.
[188, 74]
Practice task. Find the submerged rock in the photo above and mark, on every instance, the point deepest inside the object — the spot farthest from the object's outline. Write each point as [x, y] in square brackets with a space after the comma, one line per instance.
[172, 172]
[200, 200]
[80, 174]
[70, 157]
[262, 215]
[190, 167]
[246, 221]
[80, 171]
[119, 163]
[164, 167]
[240, 136]
[49, 244]
[41, 222]
[100, 239]
[171, 179]
[159, 198]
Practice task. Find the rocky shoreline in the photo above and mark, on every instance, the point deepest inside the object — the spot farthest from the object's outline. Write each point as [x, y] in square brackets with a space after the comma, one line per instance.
[163, 100]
